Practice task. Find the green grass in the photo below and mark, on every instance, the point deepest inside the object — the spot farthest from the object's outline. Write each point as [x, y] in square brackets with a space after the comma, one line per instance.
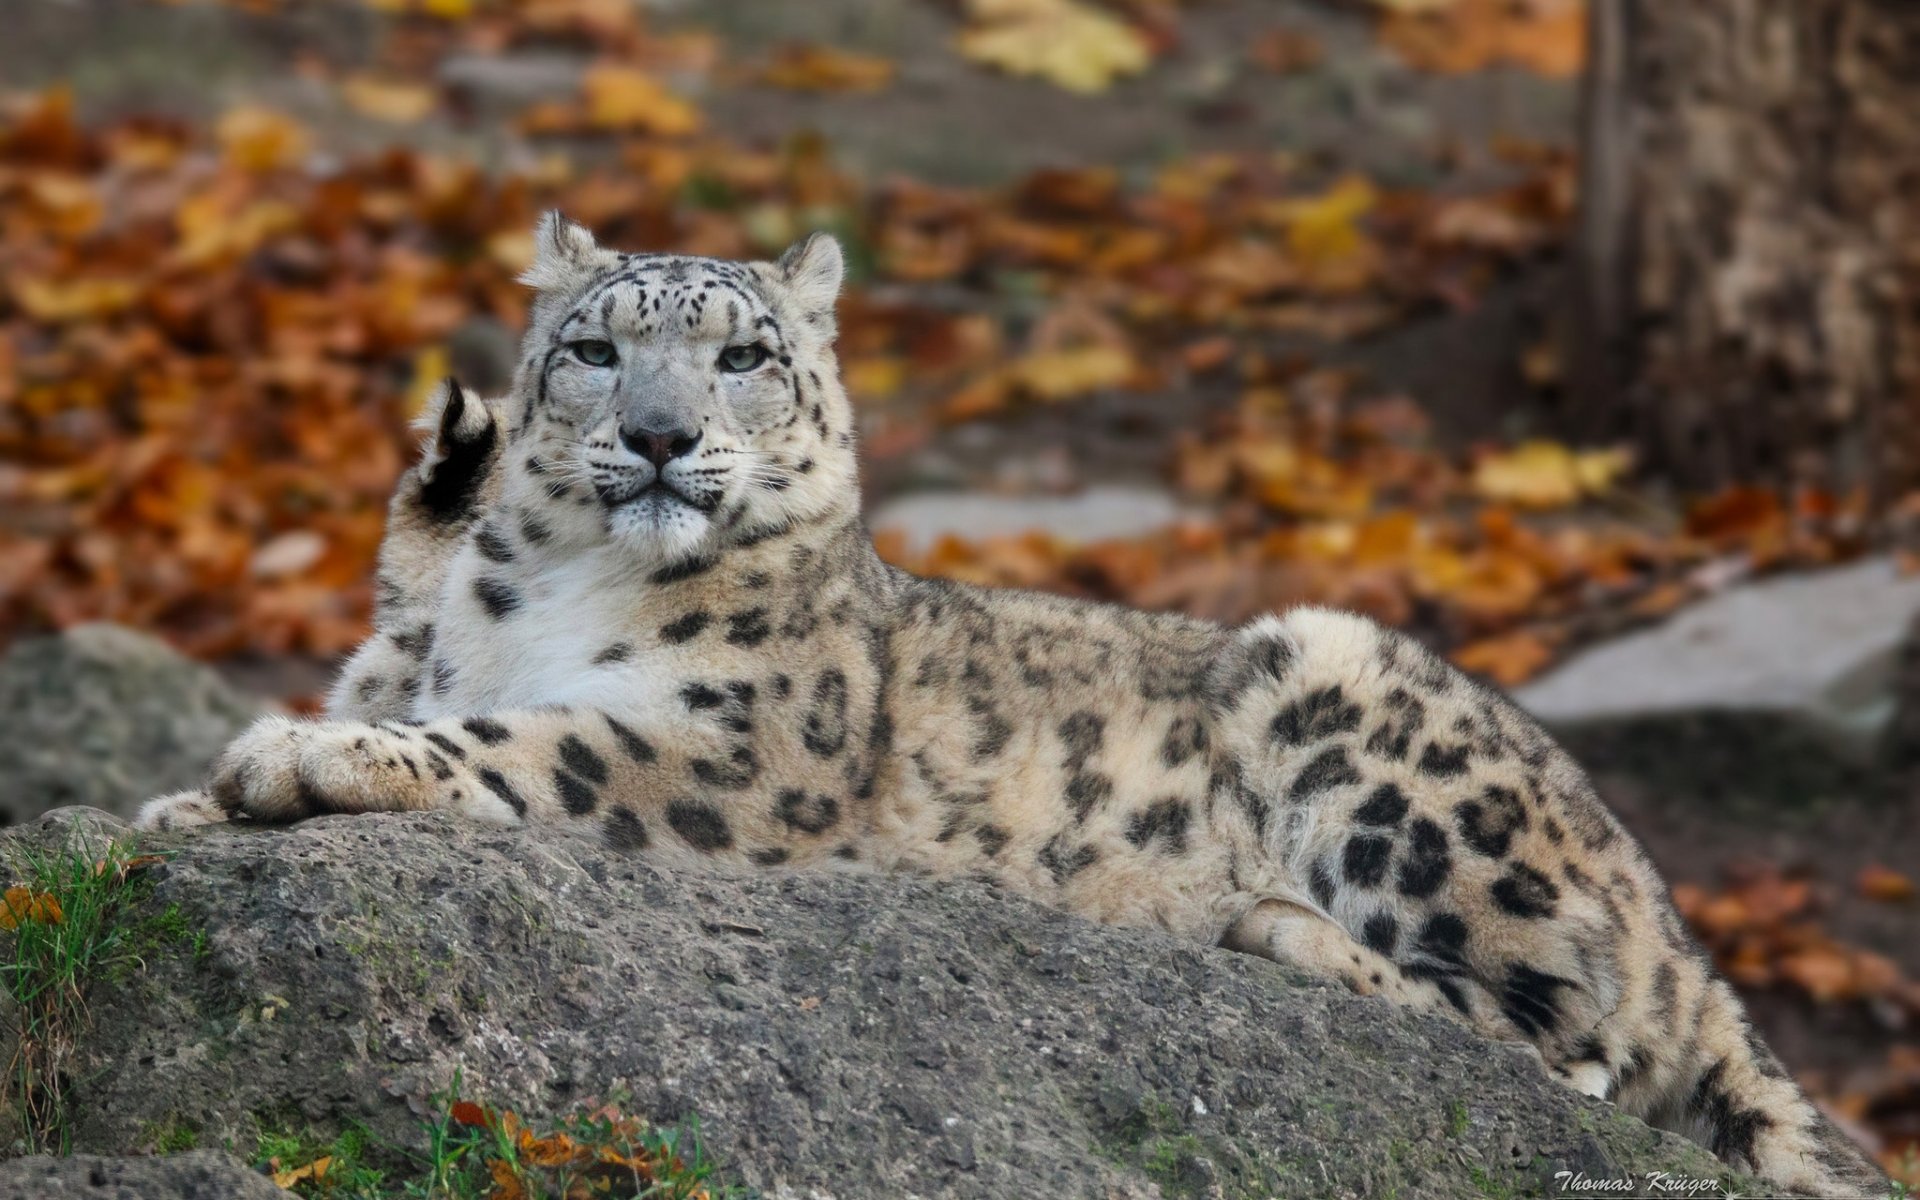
[470, 1151]
[49, 959]
[171, 1136]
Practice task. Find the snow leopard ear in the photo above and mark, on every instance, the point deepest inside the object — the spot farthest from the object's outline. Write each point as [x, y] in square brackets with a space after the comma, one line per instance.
[812, 269]
[562, 249]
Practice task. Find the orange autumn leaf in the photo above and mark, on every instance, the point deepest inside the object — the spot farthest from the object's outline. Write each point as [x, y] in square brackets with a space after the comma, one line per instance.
[315, 1170]
[813, 68]
[622, 98]
[1457, 37]
[1285, 51]
[1509, 660]
[1822, 972]
[23, 904]
[259, 139]
[1885, 884]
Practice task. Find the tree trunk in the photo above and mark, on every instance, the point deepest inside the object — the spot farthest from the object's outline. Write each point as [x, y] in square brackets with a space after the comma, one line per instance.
[1749, 242]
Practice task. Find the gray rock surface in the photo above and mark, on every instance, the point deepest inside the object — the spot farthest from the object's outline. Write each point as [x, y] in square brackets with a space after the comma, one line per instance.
[104, 716]
[836, 1035]
[1089, 515]
[199, 1175]
[1780, 691]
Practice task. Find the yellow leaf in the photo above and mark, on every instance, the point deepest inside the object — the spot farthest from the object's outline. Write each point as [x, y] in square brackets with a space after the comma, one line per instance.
[430, 369]
[875, 378]
[73, 203]
[259, 139]
[74, 300]
[209, 232]
[1054, 375]
[1546, 474]
[623, 98]
[389, 100]
[1062, 41]
[315, 1170]
[1324, 231]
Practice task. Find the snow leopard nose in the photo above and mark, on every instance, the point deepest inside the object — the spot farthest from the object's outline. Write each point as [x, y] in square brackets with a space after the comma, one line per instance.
[659, 447]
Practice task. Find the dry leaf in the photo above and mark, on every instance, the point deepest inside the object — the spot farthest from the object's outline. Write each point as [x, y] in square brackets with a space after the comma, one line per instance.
[466, 1112]
[1324, 237]
[1885, 884]
[1509, 660]
[1285, 51]
[1065, 42]
[259, 139]
[811, 68]
[1547, 474]
[1065, 374]
[622, 98]
[22, 904]
[394, 101]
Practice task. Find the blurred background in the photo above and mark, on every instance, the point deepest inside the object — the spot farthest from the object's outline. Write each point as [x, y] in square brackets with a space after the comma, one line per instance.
[1581, 344]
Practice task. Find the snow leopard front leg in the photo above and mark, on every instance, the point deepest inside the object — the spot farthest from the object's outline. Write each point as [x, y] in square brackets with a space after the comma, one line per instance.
[434, 504]
[701, 792]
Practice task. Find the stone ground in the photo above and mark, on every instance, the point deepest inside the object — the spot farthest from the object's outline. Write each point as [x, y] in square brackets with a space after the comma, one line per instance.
[837, 1036]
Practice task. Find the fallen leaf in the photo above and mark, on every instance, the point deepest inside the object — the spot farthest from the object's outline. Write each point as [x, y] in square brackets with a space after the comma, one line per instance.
[1824, 973]
[1509, 660]
[259, 139]
[1546, 474]
[315, 1170]
[1064, 42]
[62, 302]
[1885, 884]
[1285, 51]
[22, 904]
[394, 101]
[1324, 237]
[466, 1112]
[622, 98]
[812, 68]
[1056, 375]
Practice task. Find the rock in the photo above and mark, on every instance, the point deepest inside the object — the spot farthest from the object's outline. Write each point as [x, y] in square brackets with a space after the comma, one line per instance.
[1089, 515]
[1780, 691]
[835, 1034]
[104, 716]
[199, 1175]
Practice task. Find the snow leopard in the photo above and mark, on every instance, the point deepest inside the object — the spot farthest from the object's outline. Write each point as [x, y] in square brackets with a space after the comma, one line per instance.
[637, 594]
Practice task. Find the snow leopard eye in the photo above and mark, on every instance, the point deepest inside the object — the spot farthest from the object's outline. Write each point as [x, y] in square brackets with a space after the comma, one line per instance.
[594, 352]
[742, 358]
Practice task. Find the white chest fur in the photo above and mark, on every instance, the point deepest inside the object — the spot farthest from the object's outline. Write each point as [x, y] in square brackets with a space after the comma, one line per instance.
[571, 637]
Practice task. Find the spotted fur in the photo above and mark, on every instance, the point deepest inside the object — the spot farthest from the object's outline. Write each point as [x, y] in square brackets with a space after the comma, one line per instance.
[701, 657]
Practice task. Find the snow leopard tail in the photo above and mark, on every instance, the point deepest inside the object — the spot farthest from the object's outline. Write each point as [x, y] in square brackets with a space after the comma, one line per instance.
[1718, 1084]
